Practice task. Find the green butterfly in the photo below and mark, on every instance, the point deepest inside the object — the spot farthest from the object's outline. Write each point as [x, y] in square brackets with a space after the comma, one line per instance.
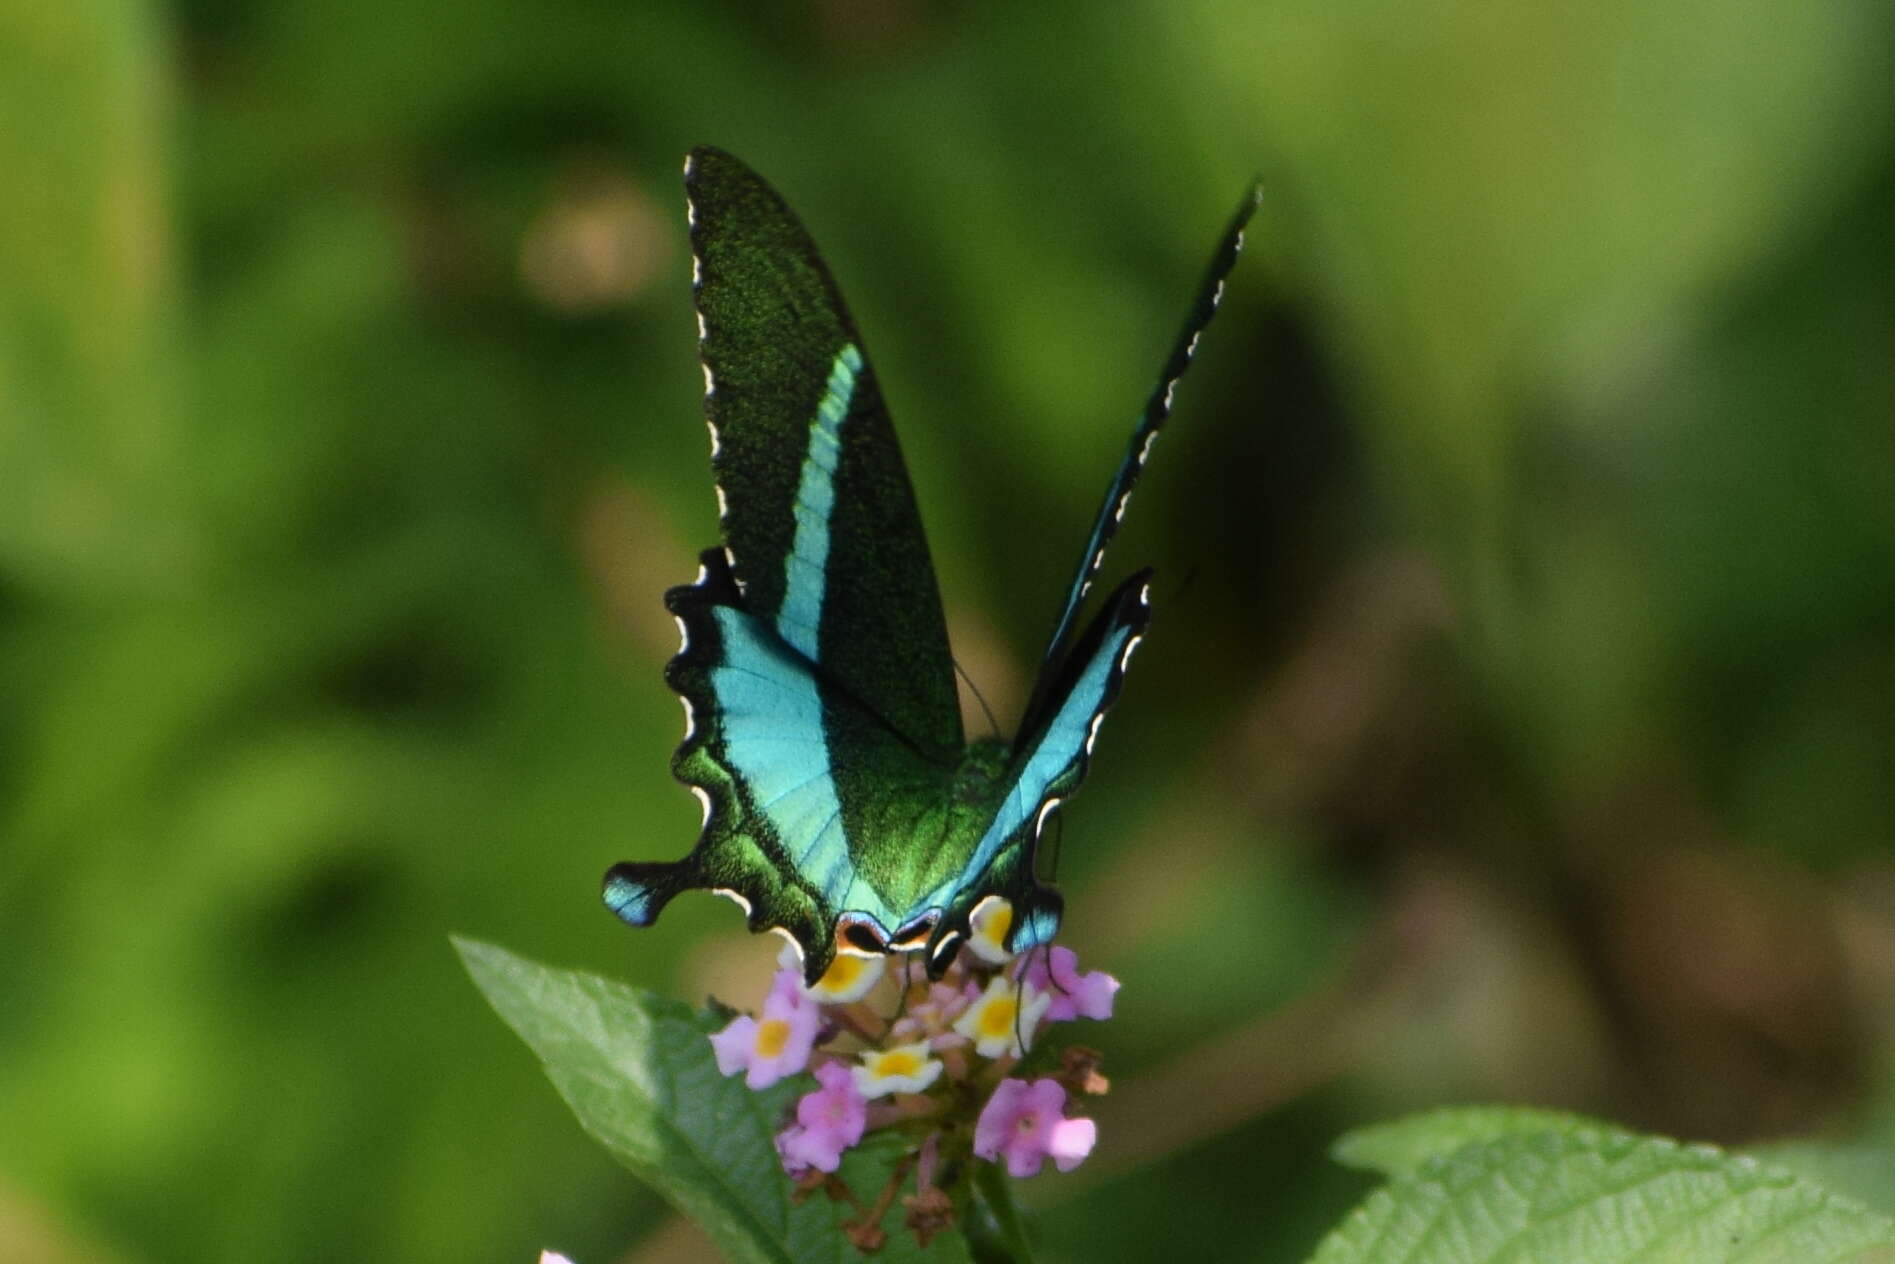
[843, 805]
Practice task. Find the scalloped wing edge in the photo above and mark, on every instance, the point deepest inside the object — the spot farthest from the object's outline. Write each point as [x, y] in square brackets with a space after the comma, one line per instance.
[638, 891]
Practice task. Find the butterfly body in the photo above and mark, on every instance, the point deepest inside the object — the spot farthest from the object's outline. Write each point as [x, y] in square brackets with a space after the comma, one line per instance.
[842, 803]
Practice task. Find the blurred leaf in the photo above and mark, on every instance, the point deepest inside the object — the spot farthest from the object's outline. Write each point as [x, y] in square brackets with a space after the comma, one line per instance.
[1514, 1184]
[1397, 1148]
[1509, 212]
[85, 253]
[1866, 1172]
[639, 1073]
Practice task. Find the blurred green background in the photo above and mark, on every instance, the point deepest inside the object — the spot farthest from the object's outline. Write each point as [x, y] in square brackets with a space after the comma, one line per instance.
[1519, 720]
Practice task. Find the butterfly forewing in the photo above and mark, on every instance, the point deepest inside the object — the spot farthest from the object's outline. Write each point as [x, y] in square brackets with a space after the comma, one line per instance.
[1138, 450]
[818, 513]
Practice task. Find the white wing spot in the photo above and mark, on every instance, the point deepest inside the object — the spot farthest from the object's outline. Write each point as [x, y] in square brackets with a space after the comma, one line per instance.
[704, 801]
[703, 573]
[1092, 730]
[723, 505]
[1144, 451]
[1046, 808]
[697, 280]
[703, 331]
[1125, 655]
[710, 383]
[684, 633]
[1217, 295]
[733, 897]
[1118, 510]
[1190, 348]
[1170, 386]
[690, 718]
[948, 944]
[791, 941]
[717, 440]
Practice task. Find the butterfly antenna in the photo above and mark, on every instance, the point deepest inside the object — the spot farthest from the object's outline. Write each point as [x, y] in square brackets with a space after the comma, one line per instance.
[1052, 979]
[1019, 1004]
[1186, 583]
[993, 725]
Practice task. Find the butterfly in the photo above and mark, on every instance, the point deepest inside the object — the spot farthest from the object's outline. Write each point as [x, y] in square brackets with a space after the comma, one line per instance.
[843, 805]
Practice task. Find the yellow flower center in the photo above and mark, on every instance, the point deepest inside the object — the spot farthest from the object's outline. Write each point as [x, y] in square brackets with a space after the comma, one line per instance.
[897, 1062]
[842, 973]
[996, 1016]
[772, 1035]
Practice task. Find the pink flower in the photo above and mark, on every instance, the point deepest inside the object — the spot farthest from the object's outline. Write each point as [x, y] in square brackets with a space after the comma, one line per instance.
[777, 1043]
[933, 1016]
[1075, 995]
[828, 1121]
[1025, 1123]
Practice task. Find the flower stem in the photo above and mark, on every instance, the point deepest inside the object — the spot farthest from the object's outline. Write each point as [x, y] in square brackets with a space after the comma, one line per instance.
[995, 1190]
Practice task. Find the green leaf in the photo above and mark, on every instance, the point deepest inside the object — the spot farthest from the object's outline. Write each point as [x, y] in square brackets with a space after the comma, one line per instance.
[637, 1070]
[1523, 1185]
[1400, 1146]
[1862, 1171]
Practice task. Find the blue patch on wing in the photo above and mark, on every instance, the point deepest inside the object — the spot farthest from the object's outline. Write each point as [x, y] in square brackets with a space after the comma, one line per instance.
[771, 729]
[805, 569]
[771, 721]
[1036, 927]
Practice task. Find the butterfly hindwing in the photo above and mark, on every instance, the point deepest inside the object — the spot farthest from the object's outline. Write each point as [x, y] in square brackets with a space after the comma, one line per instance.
[785, 833]
[817, 510]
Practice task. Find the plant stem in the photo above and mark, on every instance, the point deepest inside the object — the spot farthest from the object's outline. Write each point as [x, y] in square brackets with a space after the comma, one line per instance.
[994, 1189]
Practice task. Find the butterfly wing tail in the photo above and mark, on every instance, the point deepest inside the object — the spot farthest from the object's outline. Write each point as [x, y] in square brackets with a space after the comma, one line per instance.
[639, 892]
[1036, 918]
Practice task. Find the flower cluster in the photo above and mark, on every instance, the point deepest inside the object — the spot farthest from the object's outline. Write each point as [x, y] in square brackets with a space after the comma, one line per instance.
[946, 1066]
